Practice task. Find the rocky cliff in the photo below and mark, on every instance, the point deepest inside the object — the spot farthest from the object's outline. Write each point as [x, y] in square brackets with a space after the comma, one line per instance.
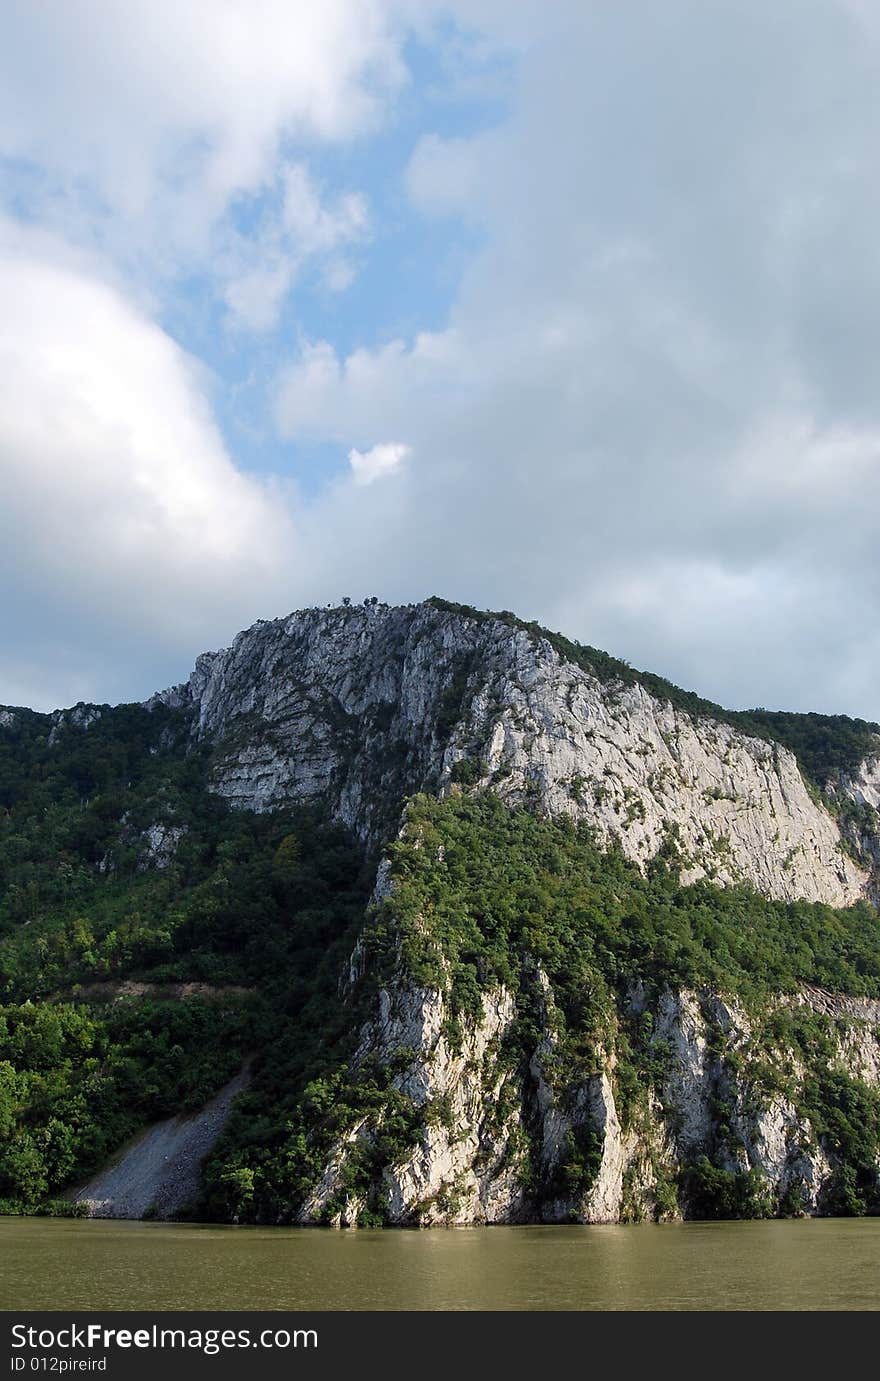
[363, 706]
[728, 1103]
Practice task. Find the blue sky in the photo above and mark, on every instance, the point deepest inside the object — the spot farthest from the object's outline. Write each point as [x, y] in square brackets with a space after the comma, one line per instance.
[570, 309]
[405, 269]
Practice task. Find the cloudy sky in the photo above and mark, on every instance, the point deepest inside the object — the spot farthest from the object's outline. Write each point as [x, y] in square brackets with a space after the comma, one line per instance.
[567, 308]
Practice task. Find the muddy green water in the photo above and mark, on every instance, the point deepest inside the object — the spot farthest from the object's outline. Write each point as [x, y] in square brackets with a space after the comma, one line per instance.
[56, 1264]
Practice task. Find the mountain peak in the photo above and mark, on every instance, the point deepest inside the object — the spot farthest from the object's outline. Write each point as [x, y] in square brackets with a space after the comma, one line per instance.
[362, 705]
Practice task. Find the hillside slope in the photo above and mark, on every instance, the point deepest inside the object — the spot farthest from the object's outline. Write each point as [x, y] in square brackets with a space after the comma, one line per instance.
[508, 931]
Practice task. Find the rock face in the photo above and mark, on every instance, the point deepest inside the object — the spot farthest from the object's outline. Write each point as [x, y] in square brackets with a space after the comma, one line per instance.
[80, 717]
[160, 845]
[469, 1165]
[501, 1147]
[864, 786]
[362, 706]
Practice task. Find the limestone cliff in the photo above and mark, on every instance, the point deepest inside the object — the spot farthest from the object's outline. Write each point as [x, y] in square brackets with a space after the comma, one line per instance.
[558, 1144]
[365, 705]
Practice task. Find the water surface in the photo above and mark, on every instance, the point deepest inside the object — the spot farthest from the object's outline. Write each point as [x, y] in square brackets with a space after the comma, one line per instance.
[75, 1264]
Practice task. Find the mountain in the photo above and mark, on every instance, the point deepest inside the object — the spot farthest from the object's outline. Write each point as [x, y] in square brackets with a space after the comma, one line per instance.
[486, 925]
[363, 706]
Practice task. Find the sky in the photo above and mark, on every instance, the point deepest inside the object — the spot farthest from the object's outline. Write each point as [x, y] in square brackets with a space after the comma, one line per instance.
[571, 309]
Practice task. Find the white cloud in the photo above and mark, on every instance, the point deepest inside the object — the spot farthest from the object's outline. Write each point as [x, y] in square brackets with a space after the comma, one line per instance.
[322, 396]
[651, 418]
[148, 124]
[445, 175]
[200, 93]
[379, 461]
[316, 227]
[654, 416]
[300, 228]
[123, 520]
[254, 297]
[339, 274]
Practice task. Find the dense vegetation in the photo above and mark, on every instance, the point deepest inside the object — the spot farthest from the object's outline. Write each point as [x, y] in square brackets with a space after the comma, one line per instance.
[484, 895]
[511, 883]
[825, 745]
[258, 912]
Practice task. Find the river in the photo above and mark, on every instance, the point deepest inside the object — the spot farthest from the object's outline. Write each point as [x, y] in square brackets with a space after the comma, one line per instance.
[96, 1265]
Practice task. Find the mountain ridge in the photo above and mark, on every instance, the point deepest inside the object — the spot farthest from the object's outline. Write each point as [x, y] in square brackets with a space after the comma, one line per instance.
[424, 695]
